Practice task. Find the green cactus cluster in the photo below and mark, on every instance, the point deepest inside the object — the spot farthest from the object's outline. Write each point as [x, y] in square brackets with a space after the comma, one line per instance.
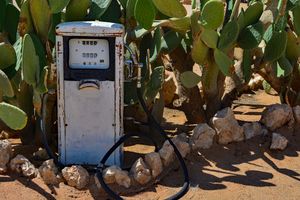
[27, 39]
[212, 32]
[154, 28]
[214, 37]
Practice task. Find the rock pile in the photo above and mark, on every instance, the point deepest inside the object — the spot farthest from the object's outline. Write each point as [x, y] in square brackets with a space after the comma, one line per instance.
[224, 129]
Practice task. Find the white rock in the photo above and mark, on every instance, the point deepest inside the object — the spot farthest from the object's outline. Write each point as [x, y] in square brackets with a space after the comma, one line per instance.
[166, 153]
[76, 176]
[252, 129]
[182, 144]
[154, 162]
[279, 142]
[5, 155]
[202, 137]
[227, 127]
[296, 111]
[109, 174]
[140, 171]
[22, 165]
[123, 179]
[49, 172]
[277, 115]
[115, 174]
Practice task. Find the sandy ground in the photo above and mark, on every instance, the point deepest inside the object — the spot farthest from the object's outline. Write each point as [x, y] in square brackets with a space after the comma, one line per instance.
[245, 170]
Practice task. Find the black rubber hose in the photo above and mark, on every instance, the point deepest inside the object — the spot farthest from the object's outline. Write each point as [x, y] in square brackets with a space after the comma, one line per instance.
[101, 166]
[43, 132]
[185, 187]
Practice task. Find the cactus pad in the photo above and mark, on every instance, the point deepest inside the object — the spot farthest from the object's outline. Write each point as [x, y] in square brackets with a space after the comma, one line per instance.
[251, 36]
[42, 85]
[228, 35]
[246, 65]
[12, 116]
[181, 25]
[171, 8]
[190, 79]
[199, 51]
[144, 13]
[75, 12]
[156, 45]
[223, 61]
[170, 41]
[210, 38]
[275, 48]
[212, 15]
[253, 13]
[8, 55]
[41, 17]
[30, 61]
[155, 83]
[99, 7]
[5, 85]
[293, 46]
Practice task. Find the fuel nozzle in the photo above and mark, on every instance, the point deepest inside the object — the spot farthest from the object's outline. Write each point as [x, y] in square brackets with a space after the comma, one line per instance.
[131, 65]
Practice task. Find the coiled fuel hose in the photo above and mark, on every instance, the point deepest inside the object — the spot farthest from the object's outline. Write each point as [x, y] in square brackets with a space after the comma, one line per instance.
[157, 126]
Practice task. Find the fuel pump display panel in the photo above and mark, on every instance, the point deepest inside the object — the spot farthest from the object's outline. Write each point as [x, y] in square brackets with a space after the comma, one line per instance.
[88, 53]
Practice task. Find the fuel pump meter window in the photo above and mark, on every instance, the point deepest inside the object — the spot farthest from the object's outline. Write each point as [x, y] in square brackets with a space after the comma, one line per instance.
[88, 53]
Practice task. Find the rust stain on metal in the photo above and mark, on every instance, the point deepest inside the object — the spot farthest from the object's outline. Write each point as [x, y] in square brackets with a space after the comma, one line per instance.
[119, 48]
[58, 47]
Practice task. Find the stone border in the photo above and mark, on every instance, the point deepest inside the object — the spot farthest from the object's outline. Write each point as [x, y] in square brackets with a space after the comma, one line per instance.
[153, 167]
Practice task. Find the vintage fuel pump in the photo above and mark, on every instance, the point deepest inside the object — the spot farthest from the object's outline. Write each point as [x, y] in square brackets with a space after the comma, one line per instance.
[90, 91]
[90, 77]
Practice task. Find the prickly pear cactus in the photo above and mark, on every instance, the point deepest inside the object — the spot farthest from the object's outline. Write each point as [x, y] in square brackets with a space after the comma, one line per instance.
[208, 36]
